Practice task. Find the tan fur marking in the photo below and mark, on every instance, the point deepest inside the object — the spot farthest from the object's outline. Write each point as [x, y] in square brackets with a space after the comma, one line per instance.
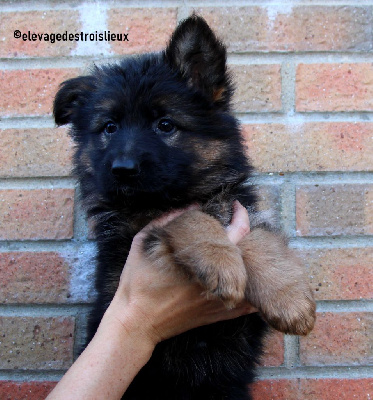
[209, 152]
[85, 160]
[277, 284]
[218, 94]
[107, 104]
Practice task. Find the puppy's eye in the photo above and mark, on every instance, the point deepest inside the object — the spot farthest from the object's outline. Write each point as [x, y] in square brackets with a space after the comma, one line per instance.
[110, 128]
[165, 126]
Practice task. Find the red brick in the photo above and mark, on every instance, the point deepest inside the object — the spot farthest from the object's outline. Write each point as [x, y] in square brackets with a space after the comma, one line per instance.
[340, 274]
[337, 389]
[339, 339]
[48, 21]
[341, 209]
[36, 214]
[10, 390]
[148, 29]
[31, 91]
[282, 389]
[241, 28]
[313, 389]
[288, 28]
[334, 87]
[313, 146]
[258, 87]
[36, 342]
[33, 277]
[35, 152]
[319, 28]
[274, 350]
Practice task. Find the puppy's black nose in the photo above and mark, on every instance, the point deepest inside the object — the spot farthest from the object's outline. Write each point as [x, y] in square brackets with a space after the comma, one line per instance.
[124, 167]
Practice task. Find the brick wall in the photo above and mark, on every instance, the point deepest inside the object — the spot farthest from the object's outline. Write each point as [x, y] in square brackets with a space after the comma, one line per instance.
[304, 74]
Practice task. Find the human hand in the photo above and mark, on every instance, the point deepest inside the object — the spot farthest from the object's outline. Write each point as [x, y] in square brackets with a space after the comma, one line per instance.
[161, 303]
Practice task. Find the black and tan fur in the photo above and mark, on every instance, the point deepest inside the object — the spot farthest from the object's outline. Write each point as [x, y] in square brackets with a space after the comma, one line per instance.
[155, 133]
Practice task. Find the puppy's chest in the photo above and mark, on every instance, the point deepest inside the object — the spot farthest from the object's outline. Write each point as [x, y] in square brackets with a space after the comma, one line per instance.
[222, 211]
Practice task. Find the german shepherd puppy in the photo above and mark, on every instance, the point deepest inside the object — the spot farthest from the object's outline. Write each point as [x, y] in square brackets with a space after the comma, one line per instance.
[154, 133]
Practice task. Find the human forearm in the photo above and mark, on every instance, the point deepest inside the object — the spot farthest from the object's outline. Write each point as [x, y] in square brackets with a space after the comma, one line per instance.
[110, 362]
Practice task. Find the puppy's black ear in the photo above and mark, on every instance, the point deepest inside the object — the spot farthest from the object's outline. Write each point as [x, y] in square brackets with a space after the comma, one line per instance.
[71, 95]
[200, 58]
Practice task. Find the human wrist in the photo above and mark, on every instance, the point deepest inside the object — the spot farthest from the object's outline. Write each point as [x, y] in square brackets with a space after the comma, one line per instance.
[126, 320]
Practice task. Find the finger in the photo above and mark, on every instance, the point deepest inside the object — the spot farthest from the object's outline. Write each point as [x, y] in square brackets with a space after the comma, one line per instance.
[240, 224]
[241, 310]
[246, 308]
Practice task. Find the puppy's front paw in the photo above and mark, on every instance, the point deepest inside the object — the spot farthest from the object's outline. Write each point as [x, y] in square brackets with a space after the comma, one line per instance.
[196, 244]
[293, 312]
[218, 267]
[277, 283]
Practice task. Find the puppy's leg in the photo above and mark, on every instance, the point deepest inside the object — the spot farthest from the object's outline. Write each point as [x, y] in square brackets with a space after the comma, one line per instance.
[277, 283]
[198, 244]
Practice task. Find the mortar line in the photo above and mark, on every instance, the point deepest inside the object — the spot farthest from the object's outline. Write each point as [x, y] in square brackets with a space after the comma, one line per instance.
[74, 308]
[29, 183]
[92, 17]
[314, 178]
[31, 375]
[291, 351]
[297, 118]
[332, 242]
[259, 178]
[81, 229]
[62, 5]
[264, 373]
[344, 306]
[299, 57]
[317, 372]
[80, 333]
[288, 73]
[288, 210]
[67, 5]
[37, 246]
[44, 310]
[27, 122]
[294, 178]
[302, 243]
[269, 3]
[247, 58]
[183, 11]
[47, 121]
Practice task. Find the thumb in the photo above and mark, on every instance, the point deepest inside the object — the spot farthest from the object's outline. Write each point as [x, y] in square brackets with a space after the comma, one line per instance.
[240, 224]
